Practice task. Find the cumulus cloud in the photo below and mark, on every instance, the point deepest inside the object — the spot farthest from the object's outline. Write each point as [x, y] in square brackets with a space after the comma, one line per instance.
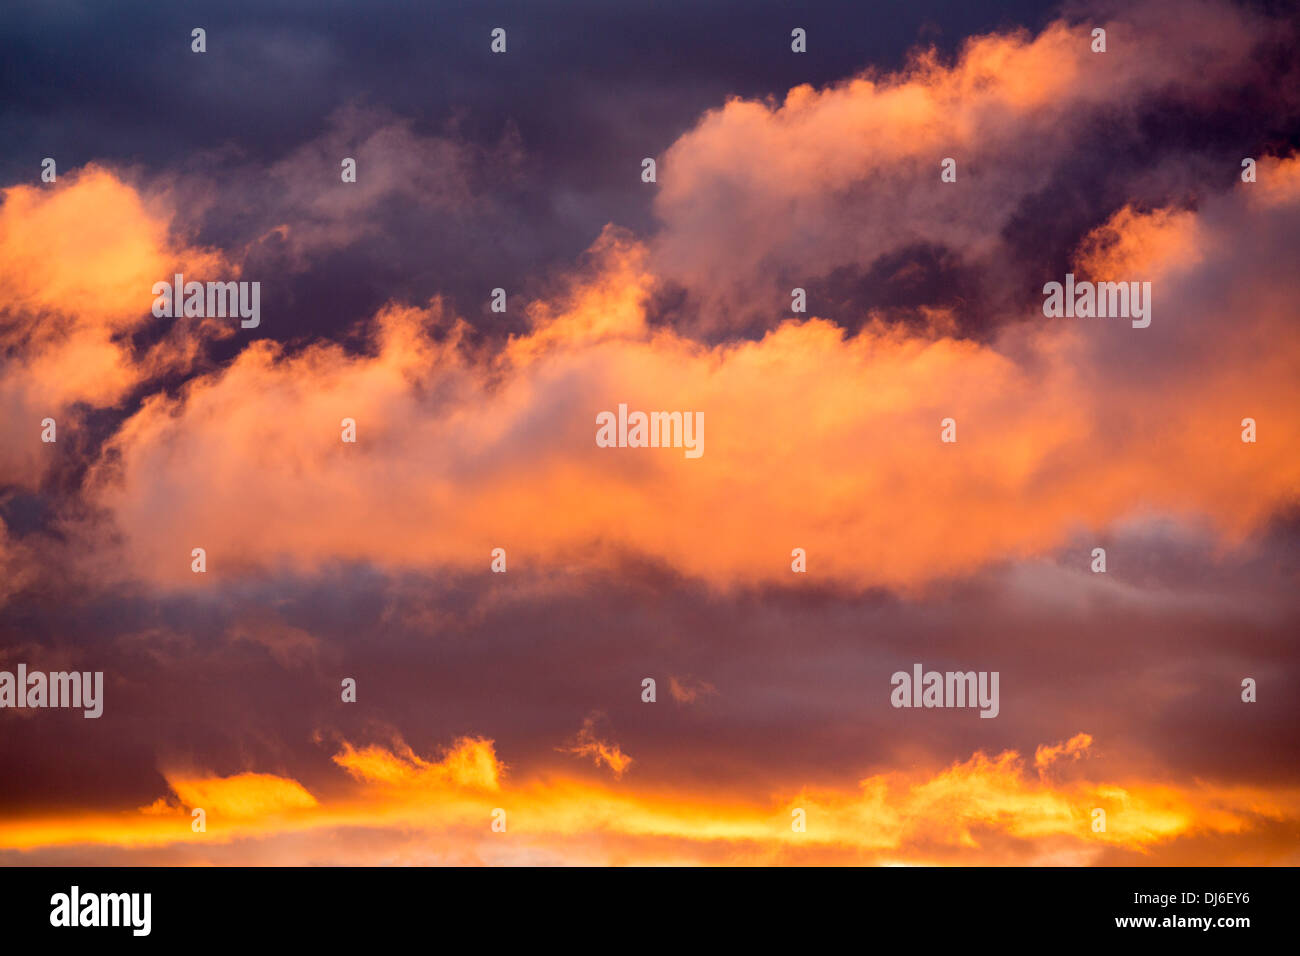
[837, 190]
[460, 449]
[78, 258]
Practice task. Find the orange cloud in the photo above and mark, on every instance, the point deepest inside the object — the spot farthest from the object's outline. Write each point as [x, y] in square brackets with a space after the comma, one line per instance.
[983, 810]
[1075, 747]
[841, 176]
[588, 744]
[77, 260]
[470, 763]
[245, 795]
[813, 439]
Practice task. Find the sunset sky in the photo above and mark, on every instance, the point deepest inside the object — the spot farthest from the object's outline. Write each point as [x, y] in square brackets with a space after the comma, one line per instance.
[522, 691]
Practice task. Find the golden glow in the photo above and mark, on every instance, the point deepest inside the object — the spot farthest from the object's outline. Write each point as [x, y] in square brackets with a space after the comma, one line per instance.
[965, 813]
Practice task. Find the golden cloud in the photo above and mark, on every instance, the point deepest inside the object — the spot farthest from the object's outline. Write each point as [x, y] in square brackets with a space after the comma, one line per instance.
[986, 809]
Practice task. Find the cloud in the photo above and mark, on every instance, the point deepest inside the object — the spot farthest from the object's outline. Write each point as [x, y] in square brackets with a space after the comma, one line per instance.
[301, 206]
[461, 449]
[687, 691]
[982, 810]
[1075, 747]
[290, 646]
[16, 564]
[837, 190]
[243, 796]
[471, 763]
[589, 744]
[77, 260]
[475, 431]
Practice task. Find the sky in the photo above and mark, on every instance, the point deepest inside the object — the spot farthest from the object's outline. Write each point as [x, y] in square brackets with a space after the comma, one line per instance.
[910, 464]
